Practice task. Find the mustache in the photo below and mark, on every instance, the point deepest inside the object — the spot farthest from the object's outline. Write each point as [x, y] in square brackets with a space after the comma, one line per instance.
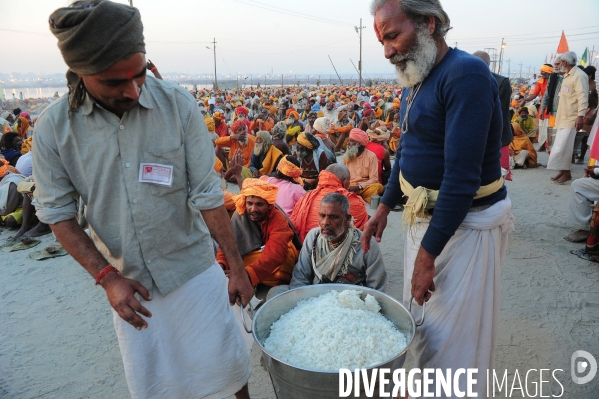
[397, 58]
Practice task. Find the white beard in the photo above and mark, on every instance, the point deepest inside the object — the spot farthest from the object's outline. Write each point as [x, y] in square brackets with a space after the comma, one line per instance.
[350, 153]
[418, 61]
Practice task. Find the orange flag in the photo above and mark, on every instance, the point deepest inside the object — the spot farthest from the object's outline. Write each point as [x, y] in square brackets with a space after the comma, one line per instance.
[563, 44]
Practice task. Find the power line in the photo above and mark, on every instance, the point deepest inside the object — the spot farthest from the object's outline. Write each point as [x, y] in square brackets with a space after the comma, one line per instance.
[290, 12]
[526, 34]
[288, 52]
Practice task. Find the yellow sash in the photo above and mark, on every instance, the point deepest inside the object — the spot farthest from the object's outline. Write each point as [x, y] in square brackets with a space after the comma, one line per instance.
[421, 199]
[268, 164]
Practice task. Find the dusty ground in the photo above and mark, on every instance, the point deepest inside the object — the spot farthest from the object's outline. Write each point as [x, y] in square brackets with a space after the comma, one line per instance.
[57, 338]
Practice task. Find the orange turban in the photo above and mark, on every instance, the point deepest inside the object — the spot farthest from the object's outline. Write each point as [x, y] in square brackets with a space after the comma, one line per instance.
[236, 125]
[292, 112]
[359, 135]
[332, 98]
[289, 169]
[378, 112]
[546, 69]
[218, 165]
[209, 124]
[303, 140]
[218, 115]
[3, 167]
[255, 188]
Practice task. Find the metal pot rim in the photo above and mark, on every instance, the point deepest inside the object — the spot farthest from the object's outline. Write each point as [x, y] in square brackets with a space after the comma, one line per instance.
[343, 288]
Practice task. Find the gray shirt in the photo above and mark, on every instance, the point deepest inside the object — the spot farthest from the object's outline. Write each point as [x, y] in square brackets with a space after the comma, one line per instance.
[371, 263]
[148, 231]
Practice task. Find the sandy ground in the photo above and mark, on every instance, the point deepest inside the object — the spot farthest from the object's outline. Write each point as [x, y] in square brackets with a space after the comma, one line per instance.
[57, 338]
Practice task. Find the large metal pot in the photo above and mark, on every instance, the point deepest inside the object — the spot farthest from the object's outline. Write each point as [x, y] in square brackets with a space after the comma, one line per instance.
[291, 382]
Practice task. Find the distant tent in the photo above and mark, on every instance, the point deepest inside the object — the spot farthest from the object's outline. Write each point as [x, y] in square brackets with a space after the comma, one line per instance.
[563, 44]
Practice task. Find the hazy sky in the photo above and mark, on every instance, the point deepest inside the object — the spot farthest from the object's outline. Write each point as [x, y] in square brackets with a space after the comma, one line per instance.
[253, 38]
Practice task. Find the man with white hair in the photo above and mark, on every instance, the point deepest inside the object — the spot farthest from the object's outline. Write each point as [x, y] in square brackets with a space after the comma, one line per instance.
[457, 209]
[266, 156]
[572, 107]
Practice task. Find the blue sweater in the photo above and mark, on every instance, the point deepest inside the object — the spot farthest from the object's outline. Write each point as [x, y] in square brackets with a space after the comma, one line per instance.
[452, 144]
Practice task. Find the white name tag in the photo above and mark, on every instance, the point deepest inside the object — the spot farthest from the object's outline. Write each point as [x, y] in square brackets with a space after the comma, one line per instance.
[156, 174]
[566, 89]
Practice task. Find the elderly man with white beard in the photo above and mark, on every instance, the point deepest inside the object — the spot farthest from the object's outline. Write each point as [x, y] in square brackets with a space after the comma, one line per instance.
[363, 166]
[266, 156]
[457, 214]
[572, 107]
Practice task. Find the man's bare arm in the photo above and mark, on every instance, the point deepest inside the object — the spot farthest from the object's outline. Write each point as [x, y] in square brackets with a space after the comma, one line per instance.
[218, 222]
[119, 290]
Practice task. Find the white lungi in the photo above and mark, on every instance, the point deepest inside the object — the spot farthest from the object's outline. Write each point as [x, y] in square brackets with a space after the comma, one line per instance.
[462, 316]
[521, 158]
[543, 126]
[192, 348]
[561, 152]
[583, 193]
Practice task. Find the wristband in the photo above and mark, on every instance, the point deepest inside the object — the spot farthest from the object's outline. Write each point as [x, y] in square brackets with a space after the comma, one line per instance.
[105, 271]
[153, 69]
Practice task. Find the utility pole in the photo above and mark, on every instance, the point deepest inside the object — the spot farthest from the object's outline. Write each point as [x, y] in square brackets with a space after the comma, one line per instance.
[251, 80]
[214, 49]
[520, 72]
[509, 71]
[359, 30]
[131, 3]
[501, 57]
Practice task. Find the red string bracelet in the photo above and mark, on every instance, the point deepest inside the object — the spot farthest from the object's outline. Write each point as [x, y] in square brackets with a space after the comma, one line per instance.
[153, 69]
[105, 271]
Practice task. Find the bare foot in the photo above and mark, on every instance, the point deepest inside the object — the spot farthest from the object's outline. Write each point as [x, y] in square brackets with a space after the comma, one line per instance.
[557, 176]
[24, 229]
[564, 178]
[577, 236]
[41, 229]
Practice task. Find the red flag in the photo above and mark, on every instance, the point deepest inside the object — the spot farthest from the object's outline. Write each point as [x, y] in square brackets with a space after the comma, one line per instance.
[563, 44]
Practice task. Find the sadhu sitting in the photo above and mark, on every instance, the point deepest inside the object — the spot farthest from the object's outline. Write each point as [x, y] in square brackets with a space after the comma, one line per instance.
[332, 252]
[265, 239]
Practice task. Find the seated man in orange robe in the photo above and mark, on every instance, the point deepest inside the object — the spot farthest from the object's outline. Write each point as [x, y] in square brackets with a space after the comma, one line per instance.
[238, 140]
[362, 165]
[265, 237]
[335, 179]
[340, 129]
[262, 121]
[522, 152]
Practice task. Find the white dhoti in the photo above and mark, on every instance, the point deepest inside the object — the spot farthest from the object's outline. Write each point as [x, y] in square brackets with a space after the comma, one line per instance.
[583, 193]
[561, 152]
[192, 348]
[521, 158]
[462, 316]
[543, 125]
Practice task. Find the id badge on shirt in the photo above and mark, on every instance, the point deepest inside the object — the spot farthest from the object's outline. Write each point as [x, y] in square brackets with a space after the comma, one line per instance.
[156, 173]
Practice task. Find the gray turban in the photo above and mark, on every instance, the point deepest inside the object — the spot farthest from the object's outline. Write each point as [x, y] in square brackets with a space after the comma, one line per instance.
[95, 35]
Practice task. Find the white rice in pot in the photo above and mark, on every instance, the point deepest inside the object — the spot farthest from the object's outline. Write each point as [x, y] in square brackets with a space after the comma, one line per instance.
[335, 330]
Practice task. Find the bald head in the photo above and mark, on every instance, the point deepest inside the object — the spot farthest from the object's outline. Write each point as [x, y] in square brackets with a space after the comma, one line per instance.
[341, 171]
[483, 56]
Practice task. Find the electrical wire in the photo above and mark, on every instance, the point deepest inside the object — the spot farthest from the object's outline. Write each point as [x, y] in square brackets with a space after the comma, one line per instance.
[290, 12]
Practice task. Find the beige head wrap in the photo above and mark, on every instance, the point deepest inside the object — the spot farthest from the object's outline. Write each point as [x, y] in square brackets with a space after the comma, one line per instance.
[93, 36]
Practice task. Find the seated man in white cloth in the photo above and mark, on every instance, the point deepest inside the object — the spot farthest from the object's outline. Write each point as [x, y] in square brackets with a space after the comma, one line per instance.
[149, 248]
[332, 252]
[457, 216]
[583, 193]
[571, 109]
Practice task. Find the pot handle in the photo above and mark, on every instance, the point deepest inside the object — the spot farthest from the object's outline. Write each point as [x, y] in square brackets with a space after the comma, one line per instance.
[249, 331]
[418, 324]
